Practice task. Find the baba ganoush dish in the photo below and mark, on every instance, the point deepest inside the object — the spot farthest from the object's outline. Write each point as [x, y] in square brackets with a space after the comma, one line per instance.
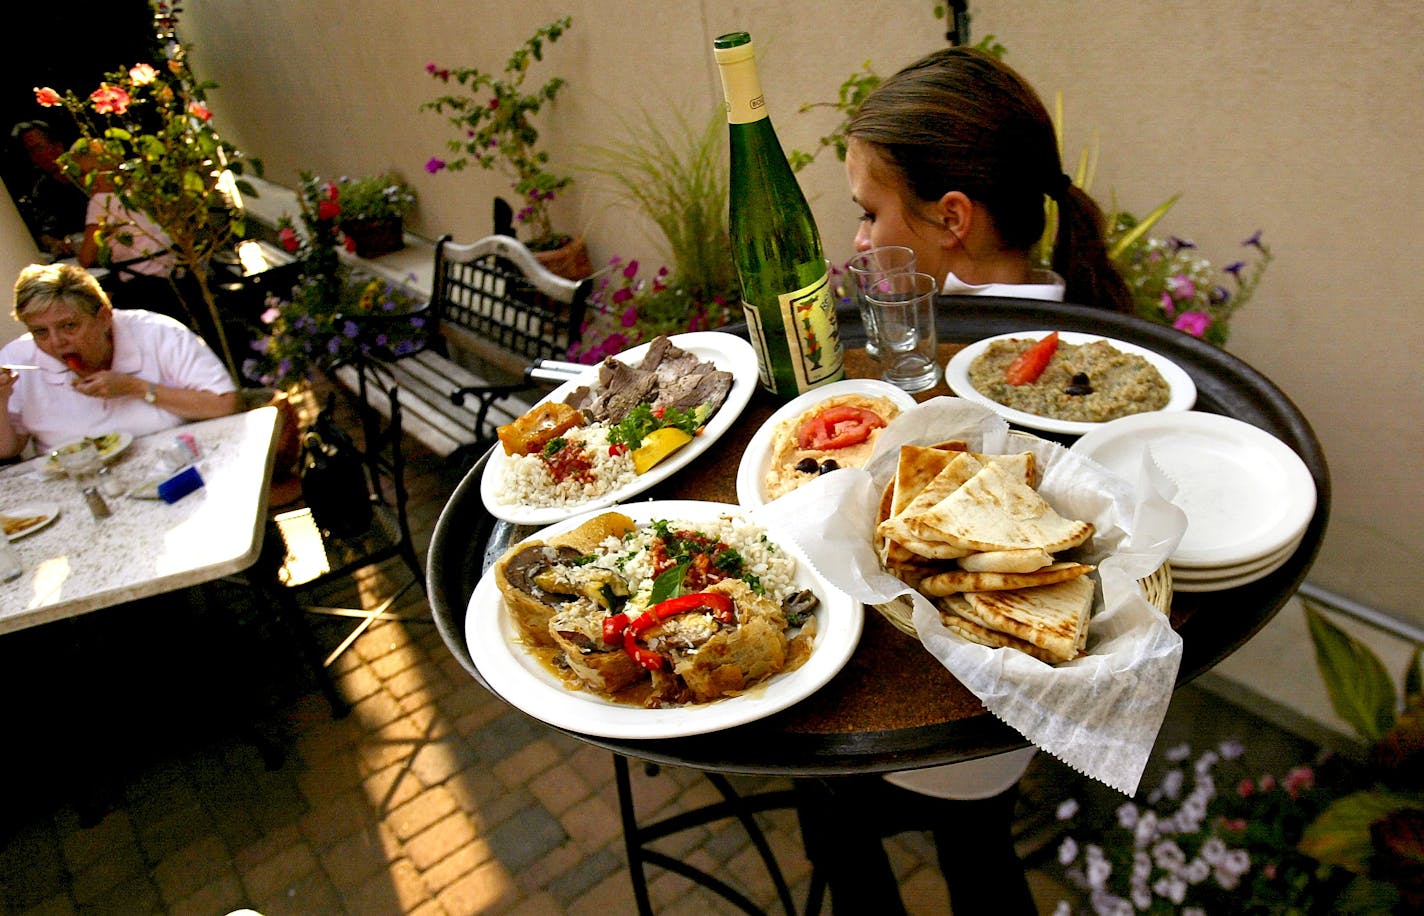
[659, 614]
[1090, 382]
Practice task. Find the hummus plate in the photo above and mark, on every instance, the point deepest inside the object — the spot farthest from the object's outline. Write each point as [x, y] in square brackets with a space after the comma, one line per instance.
[956, 374]
[522, 680]
[756, 459]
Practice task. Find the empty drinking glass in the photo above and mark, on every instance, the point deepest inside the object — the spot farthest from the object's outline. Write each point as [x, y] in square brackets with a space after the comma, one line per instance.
[868, 268]
[903, 314]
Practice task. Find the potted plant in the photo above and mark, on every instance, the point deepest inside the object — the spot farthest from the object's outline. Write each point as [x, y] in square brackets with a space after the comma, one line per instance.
[492, 118]
[373, 212]
[149, 128]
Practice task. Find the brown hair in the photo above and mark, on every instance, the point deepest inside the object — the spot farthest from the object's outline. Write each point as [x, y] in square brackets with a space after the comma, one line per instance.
[960, 120]
[41, 285]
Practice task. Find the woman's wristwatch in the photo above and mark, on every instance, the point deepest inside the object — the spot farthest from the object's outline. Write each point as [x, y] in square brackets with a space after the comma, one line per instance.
[151, 395]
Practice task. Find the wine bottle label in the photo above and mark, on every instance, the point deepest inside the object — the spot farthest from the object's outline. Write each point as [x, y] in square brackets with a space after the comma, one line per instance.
[810, 345]
[741, 87]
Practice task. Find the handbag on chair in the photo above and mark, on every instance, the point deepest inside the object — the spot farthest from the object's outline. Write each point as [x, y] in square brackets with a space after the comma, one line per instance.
[334, 477]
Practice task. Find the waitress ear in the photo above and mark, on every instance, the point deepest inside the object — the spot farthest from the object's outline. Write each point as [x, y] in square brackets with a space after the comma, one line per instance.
[953, 214]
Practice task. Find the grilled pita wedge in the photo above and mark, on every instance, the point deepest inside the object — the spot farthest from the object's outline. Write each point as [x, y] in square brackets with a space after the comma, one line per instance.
[961, 580]
[994, 511]
[1052, 617]
[1009, 561]
[960, 625]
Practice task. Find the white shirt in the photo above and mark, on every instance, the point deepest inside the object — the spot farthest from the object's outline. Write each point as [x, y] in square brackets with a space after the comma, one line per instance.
[152, 347]
[987, 776]
[145, 237]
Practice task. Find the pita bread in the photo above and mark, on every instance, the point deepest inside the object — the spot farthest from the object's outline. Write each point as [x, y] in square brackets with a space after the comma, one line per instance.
[962, 626]
[961, 580]
[1015, 561]
[994, 511]
[1052, 617]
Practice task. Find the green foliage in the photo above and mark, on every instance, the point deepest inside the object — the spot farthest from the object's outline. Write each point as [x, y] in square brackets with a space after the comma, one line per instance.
[1360, 689]
[376, 196]
[149, 129]
[676, 175]
[493, 127]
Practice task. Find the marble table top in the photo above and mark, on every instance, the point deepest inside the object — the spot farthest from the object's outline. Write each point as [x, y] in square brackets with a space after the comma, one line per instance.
[79, 563]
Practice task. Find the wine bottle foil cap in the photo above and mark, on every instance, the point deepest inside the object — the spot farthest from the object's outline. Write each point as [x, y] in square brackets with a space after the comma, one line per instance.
[733, 47]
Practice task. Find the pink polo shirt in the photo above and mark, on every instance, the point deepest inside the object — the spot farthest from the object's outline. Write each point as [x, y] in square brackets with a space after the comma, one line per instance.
[153, 347]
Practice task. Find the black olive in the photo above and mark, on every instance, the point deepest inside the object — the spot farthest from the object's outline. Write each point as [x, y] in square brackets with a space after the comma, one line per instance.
[1080, 385]
[807, 466]
[829, 465]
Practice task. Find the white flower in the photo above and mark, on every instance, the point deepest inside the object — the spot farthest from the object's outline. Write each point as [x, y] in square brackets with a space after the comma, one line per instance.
[1231, 749]
[1213, 850]
[1063, 909]
[1206, 761]
[1141, 895]
[1098, 869]
[1106, 904]
[1168, 856]
[1179, 753]
[1172, 783]
[1237, 861]
[1067, 809]
[1193, 911]
[1127, 815]
[1146, 830]
[1171, 887]
[1067, 850]
[1141, 865]
[1196, 871]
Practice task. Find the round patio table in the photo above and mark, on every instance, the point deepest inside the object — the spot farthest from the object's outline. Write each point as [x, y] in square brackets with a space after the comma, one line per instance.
[893, 706]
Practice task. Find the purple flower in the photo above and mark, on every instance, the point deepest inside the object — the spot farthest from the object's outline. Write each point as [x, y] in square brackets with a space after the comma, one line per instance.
[1194, 323]
[350, 329]
[434, 164]
[284, 368]
[333, 346]
[1235, 268]
[631, 270]
[381, 340]
[261, 345]
[417, 323]
[1178, 243]
[1255, 240]
[621, 296]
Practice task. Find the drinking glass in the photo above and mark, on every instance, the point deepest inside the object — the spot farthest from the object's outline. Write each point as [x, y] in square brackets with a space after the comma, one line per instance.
[903, 312]
[869, 268]
[79, 460]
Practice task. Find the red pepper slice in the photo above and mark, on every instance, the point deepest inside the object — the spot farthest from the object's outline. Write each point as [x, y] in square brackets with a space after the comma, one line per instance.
[1030, 363]
[618, 626]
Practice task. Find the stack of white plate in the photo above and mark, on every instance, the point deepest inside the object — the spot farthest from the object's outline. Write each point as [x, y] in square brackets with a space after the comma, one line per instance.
[1248, 498]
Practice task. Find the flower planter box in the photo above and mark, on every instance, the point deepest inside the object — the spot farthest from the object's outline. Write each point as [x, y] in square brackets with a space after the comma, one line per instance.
[375, 236]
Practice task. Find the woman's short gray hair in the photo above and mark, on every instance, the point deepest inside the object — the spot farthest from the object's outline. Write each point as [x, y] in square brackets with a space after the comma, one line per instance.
[41, 285]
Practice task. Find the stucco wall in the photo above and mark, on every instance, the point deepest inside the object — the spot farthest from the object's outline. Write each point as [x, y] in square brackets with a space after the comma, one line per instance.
[1298, 117]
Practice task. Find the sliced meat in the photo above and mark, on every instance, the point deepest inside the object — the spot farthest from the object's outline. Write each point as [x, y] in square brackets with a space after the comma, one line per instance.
[688, 391]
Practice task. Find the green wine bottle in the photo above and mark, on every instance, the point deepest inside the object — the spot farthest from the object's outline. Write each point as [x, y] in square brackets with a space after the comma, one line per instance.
[786, 291]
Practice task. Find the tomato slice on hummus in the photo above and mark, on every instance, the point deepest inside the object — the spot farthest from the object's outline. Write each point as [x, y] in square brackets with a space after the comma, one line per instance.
[836, 427]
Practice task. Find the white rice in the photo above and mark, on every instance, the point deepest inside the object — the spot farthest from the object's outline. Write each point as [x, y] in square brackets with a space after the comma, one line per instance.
[773, 567]
[527, 482]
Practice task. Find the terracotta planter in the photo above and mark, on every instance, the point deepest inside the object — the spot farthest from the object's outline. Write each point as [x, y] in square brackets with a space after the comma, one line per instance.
[375, 236]
[570, 262]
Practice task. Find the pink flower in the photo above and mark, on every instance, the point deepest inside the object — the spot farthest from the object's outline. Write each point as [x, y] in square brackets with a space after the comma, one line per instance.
[434, 164]
[1245, 788]
[288, 237]
[46, 96]
[1300, 779]
[328, 209]
[1169, 308]
[621, 296]
[630, 316]
[350, 244]
[1181, 287]
[631, 270]
[1195, 324]
[110, 99]
[1268, 782]
[439, 73]
[199, 111]
[142, 74]
[271, 315]
[494, 104]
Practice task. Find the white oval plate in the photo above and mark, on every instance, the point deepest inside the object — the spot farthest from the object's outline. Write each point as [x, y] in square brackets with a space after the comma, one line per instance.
[1217, 585]
[756, 460]
[1236, 570]
[123, 441]
[726, 351]
[1245, 493]
[50, 511]
[956, 374]
[523, 681]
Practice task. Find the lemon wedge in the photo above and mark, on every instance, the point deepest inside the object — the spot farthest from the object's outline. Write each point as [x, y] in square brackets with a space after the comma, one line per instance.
[658, 445]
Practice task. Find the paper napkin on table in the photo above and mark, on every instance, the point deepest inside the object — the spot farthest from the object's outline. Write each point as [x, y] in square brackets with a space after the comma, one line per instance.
[1099, 713]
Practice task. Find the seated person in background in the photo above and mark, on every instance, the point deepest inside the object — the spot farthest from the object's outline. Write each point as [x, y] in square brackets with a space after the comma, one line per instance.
[133, 247]
[100, 370]
[51, 205]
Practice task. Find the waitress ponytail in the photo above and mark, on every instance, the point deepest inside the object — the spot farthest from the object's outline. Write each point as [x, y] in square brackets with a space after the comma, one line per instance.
[1080, 255]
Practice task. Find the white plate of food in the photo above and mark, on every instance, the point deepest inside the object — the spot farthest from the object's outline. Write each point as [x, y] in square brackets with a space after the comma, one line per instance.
[523, 676]
[1120, 381]
[108, 445]
[21, 521]
[504, 475]
[764, 449]
[1245, 493]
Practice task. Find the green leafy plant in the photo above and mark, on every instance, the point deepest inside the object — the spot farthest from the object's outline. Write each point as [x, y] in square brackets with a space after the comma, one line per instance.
[376, 197]
[148, 127]
[492, 121]
[676, 175]
[326, 318]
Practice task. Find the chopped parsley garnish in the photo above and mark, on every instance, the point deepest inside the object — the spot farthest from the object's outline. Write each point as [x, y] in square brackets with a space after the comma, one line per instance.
[641, 421]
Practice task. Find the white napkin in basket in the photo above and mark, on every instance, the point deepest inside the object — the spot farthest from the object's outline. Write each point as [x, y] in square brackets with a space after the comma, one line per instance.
[1099, 713]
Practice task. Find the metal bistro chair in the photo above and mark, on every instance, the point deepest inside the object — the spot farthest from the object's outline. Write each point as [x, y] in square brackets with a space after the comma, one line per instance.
[315, 556]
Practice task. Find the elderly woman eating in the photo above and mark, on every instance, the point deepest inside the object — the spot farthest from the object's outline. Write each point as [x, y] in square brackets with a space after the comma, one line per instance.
[98, 370]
